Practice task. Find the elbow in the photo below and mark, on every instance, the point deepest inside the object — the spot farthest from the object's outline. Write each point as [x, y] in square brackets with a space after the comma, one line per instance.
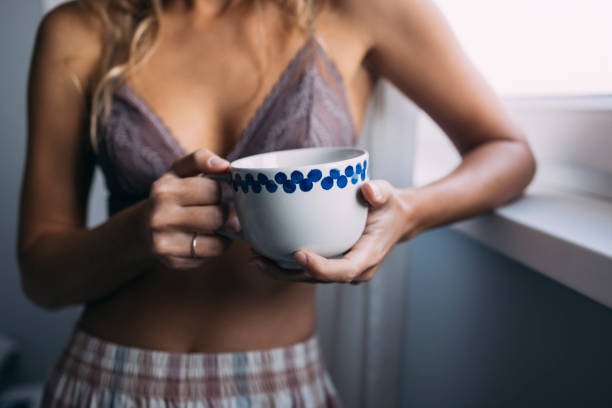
[38, 293]
[40, 299]
[521, 169]
[38, 296]
[528, 163]
[35, 283]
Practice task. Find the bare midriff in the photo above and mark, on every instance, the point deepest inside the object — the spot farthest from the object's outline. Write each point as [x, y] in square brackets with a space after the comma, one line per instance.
[224, 306]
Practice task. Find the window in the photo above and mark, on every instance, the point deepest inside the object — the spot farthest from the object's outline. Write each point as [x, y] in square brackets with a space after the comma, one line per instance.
[541, 47]
[552, 61]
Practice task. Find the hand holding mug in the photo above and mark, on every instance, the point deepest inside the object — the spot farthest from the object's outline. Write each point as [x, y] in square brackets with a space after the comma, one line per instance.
[295, 199]
[388, 217]
[184, 210]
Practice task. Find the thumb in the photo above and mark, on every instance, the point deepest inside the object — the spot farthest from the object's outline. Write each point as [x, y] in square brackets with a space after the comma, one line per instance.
[376, 192]
[198, 162]
[233, 222]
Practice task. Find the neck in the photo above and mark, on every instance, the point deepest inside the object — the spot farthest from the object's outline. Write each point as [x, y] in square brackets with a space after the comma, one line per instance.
[208, 8]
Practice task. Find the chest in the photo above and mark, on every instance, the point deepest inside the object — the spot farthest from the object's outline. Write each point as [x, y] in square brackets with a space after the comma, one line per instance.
[207, 84]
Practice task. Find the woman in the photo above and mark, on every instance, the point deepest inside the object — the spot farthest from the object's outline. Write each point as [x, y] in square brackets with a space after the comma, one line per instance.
[174, 314]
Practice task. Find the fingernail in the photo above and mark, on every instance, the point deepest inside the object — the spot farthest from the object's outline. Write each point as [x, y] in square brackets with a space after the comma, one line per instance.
[375, 191]
[301, 258]
[216, 161]
[234, 223]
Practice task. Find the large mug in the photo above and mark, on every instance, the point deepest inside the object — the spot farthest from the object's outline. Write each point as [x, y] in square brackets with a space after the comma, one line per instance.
[296, 199]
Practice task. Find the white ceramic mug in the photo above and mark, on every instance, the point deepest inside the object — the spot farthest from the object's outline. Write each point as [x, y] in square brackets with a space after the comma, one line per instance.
[299, 199]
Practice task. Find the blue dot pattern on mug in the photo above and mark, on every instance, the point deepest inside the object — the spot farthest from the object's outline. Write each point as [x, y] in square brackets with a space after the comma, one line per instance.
[290, 183]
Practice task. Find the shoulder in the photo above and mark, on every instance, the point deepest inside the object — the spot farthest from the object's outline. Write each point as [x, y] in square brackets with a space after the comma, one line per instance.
[380, 19]
[70, 36]
[70, 29]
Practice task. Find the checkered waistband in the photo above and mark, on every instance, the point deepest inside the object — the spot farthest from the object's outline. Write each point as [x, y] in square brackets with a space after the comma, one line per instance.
[194, 376]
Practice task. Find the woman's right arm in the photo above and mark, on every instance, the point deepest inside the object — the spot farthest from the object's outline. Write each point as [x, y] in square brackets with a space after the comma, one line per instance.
[62, 262]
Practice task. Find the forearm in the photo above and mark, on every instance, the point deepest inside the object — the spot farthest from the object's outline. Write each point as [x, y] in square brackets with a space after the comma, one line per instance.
[63, 267]
[489, 175]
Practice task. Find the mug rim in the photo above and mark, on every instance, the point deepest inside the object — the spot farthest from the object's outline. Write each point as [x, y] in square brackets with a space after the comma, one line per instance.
[359, 154]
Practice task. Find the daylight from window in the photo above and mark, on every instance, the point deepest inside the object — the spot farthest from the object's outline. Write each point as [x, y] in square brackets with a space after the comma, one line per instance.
[537, 48]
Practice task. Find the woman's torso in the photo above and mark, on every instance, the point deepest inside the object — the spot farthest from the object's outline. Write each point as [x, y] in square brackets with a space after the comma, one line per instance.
[190, 85]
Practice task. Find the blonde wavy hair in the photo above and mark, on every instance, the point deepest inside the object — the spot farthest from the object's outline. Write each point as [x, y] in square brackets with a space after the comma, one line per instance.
[131, 30]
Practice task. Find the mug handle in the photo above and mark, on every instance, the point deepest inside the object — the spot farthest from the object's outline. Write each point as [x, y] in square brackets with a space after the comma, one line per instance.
[220, 177]
[223, 231]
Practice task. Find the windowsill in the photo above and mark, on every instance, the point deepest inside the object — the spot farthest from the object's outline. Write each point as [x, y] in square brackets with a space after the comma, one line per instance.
[591, 103]
[562, 226]
[562, 235]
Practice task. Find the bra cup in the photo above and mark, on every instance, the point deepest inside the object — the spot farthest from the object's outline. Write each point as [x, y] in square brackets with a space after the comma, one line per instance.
[306, 107]
[130, 153]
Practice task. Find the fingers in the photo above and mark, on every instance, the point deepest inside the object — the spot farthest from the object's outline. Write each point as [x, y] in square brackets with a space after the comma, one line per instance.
[174, 262]
[366, 276]
[268, 267]
[185, 191]
[178, 244]
[233, 222]
[180, 204]
[377, 192]
[364, 255]
[203, 219]
[361, 262]
[198, 162]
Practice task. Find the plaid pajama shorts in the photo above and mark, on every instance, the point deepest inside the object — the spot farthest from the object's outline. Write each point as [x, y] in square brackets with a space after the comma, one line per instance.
[95, 373]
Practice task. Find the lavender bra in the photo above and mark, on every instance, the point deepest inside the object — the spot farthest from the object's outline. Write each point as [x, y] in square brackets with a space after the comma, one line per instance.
[306, 107]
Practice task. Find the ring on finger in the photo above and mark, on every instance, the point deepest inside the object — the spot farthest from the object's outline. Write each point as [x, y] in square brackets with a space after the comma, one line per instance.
[194, 244]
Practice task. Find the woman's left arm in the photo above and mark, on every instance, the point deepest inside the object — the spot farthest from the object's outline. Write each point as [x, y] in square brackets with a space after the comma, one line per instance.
[414, 48]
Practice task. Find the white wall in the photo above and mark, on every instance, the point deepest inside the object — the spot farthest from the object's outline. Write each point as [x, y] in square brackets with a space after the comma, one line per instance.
[49, 4]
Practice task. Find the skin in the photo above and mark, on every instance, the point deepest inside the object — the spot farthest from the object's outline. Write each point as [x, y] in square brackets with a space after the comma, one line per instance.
[134, 273]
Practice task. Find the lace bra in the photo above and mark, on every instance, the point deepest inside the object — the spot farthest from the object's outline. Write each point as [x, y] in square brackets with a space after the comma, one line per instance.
[306, 107]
